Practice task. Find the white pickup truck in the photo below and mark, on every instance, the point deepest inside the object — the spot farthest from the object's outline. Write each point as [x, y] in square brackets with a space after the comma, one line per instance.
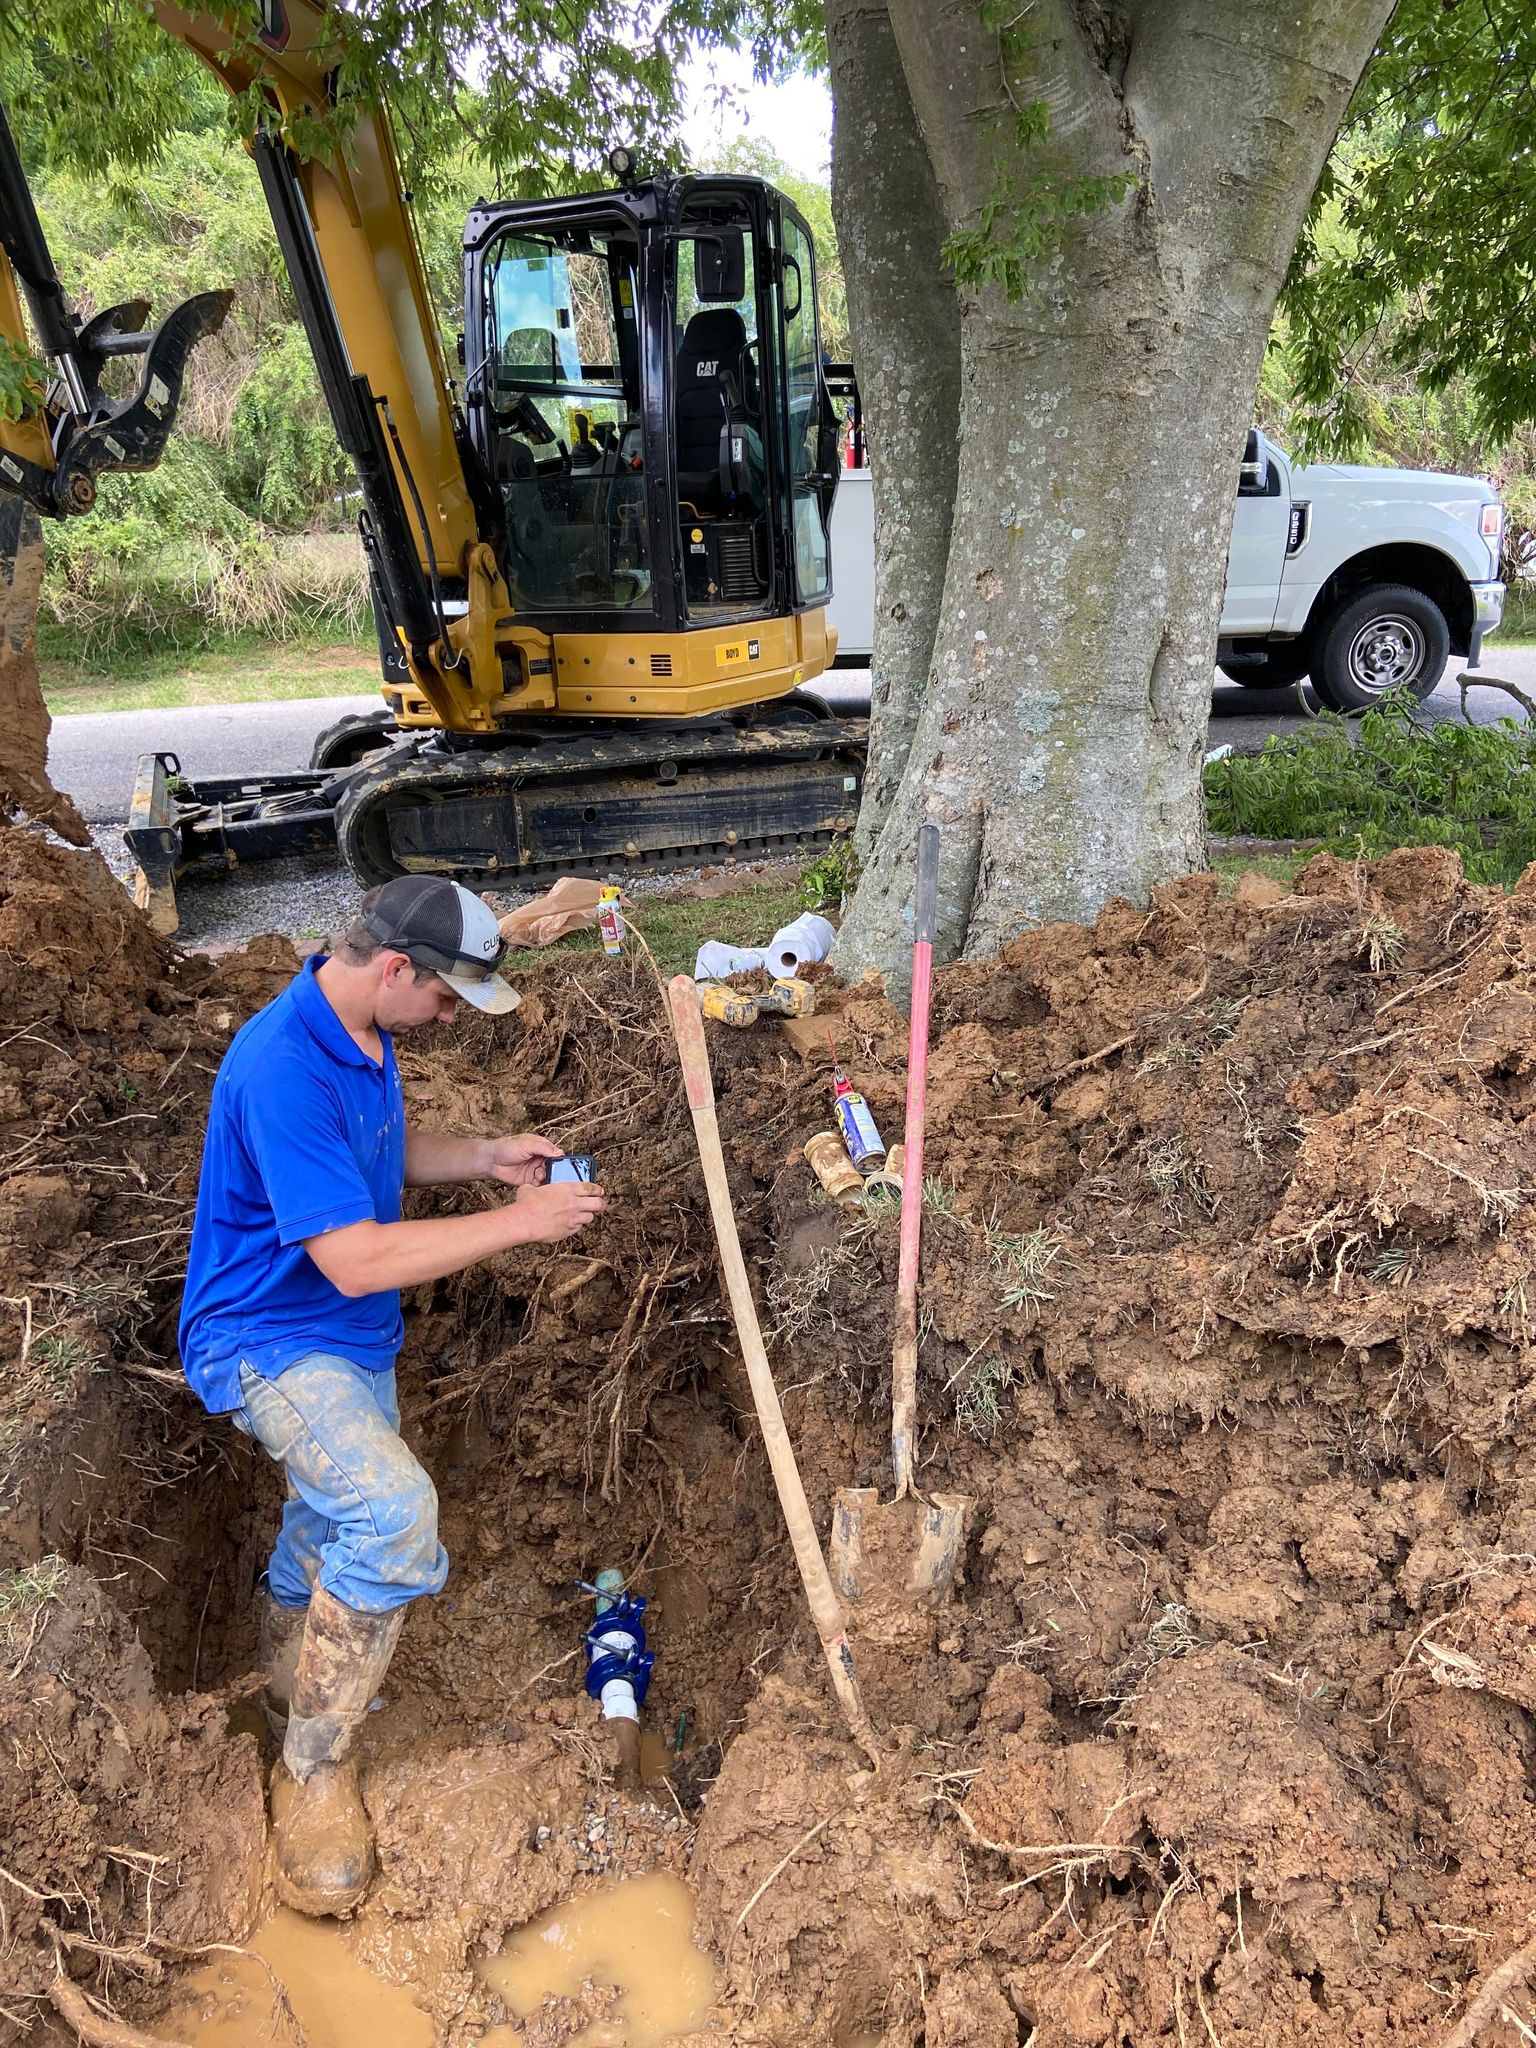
[1362, 579]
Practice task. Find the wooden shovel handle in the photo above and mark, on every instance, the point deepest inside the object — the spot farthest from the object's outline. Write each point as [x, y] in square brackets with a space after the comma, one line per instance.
[688, 1029]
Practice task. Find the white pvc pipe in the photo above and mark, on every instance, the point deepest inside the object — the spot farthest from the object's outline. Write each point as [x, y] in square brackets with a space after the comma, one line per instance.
[718, 962]
[800, 944]
[618, 1694]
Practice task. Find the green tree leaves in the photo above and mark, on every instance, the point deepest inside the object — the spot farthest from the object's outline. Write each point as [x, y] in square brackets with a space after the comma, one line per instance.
[1420, 255]
[540, 89]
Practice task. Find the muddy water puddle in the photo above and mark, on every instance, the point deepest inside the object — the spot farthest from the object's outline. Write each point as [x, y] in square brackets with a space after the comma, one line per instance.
[636, 1937]
[236, 2002]
[656, 1757]
[626, 1952]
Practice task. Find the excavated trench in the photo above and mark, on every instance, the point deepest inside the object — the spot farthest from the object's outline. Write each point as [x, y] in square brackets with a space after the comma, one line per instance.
[1228, 1289]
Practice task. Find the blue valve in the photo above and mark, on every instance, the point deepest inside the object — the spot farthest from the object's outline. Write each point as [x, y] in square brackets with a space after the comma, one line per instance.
[615, 1645]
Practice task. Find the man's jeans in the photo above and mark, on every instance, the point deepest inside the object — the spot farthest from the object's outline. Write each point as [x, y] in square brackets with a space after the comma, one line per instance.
[361, 1518]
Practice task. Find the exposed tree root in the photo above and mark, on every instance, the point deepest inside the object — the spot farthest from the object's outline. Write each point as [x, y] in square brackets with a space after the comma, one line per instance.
[1509, 1976]
[100, 2029]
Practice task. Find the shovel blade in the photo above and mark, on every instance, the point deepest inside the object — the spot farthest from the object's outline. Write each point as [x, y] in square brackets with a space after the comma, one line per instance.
[908, 1552]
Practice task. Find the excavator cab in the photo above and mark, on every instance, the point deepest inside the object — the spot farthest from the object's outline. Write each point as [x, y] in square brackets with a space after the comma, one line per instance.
[643, 383]
[599, 558]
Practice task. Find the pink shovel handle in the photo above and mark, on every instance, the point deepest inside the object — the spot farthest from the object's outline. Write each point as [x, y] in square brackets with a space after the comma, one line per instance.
[917, 1064]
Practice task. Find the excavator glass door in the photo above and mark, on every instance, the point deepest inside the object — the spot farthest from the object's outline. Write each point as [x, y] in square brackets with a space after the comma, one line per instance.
[811, 425]
[562, 388]
[722, 428]
[756, 447]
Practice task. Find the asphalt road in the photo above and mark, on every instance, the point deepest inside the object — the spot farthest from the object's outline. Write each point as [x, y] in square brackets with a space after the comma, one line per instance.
[92, 754]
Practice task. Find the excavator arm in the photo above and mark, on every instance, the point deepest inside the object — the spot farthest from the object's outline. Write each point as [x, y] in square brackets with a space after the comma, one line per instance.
[644, 705]
[66, 437]
[431, 523]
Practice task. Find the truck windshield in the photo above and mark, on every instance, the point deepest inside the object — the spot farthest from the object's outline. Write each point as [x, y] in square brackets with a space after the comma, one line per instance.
[563, 392]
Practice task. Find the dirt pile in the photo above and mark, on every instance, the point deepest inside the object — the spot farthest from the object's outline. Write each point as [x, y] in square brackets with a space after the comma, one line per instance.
[108, 1047]
[139, 1825]
[1228, 1272]
[1228, 1286]
[24, 719]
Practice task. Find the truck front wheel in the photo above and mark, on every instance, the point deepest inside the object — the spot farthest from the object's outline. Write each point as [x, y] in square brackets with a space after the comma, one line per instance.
[1390, 637]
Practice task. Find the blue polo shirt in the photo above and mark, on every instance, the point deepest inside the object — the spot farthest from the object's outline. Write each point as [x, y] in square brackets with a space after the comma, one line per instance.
[305, 1134]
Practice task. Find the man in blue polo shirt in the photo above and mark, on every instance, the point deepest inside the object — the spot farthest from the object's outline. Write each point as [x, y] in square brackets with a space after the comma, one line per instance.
[290, 1322]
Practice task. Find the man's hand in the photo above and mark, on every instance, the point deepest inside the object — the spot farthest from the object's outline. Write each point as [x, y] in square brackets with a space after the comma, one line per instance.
[520, 1162]
[368, 1258]
[549, 1213]
[433, 1159]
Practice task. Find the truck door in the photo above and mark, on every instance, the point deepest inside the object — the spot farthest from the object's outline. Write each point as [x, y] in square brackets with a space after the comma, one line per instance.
[1256, 557]
[809, 422]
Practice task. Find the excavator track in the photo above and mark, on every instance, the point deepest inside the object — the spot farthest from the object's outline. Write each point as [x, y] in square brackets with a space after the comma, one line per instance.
[546, 799]
[541, 800]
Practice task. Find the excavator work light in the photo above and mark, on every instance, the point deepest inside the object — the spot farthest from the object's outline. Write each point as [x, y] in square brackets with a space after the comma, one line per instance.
[621, 161]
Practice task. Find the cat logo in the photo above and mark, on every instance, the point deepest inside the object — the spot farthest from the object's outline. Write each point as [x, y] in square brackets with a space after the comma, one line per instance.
[706, 369]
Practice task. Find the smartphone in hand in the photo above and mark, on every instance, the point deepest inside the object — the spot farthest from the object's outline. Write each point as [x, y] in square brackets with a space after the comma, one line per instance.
[575, 1166]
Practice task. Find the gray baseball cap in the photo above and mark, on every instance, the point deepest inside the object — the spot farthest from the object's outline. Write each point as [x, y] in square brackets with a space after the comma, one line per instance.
[439, 925]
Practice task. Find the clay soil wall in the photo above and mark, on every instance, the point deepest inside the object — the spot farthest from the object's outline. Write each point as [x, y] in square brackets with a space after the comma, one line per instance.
[1228, 1290]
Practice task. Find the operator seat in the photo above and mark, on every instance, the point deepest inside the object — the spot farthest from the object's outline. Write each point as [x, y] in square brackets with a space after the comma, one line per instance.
[712, 372]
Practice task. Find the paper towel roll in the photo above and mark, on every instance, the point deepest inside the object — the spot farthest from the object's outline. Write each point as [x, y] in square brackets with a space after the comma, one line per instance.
[799, 944]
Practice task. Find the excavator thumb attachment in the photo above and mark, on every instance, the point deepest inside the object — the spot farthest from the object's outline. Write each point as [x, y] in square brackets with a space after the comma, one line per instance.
[126, 434]
[134, 435]
[52, 455]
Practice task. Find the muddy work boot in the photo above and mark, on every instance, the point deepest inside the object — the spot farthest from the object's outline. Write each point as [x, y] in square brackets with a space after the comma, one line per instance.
[321, 1833]
[277, 1652]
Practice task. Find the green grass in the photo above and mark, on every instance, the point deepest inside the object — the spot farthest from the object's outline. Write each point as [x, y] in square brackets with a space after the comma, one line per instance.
[1384, 781]
[979, 1406]
[23, 1591]
[1025, 1263]
[1519, 625]
[1279, 867]
[247, 670]
[675, 929]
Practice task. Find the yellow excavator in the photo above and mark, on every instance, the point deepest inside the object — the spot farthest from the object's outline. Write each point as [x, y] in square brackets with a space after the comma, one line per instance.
[598, 556]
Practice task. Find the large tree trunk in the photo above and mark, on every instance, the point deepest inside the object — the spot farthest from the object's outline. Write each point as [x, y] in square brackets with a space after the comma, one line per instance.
[905, 322]
[1102, 417]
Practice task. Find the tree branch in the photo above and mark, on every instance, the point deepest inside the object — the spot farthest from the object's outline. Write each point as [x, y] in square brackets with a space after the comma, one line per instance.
[93, 2027]
[1514, 1971]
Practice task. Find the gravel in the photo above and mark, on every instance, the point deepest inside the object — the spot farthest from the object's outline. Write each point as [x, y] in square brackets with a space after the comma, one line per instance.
[311, 899]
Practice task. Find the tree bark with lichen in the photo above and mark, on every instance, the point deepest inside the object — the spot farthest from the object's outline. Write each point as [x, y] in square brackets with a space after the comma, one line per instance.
[905, 322]
[1109, 350]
